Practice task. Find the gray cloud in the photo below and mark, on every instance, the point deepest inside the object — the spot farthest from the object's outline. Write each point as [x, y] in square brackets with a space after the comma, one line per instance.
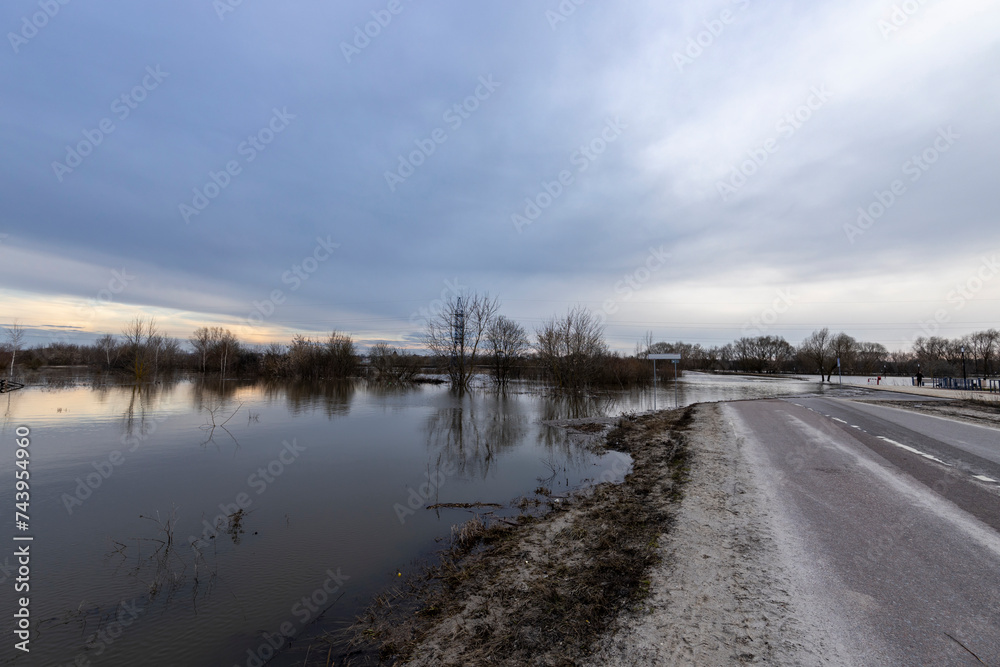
[560, 83]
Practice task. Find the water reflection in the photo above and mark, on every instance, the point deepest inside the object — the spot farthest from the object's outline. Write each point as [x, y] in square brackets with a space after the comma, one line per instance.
[303, 397]
[470, 431]
[564, 405]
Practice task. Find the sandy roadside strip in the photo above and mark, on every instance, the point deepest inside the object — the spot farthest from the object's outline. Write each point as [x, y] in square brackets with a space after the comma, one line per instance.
[721, 595]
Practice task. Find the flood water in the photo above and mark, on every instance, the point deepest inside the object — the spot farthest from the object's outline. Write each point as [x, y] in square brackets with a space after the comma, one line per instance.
[158, 539]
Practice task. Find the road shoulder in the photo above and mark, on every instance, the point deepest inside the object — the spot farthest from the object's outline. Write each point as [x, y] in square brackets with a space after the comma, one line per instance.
[721, 595]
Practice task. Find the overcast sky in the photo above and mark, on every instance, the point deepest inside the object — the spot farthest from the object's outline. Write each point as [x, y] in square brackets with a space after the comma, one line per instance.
[691, 168]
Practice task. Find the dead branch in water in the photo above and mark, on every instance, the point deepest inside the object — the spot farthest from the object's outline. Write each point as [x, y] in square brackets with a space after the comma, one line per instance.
[462, 505]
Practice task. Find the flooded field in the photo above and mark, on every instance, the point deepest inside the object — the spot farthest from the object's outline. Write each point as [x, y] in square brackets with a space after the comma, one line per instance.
[201, 523]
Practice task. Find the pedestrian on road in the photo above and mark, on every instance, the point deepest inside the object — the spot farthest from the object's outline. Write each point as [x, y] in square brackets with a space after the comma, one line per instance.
[920, 379]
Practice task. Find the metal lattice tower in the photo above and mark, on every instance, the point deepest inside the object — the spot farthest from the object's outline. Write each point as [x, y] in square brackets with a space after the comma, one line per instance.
[459, 323]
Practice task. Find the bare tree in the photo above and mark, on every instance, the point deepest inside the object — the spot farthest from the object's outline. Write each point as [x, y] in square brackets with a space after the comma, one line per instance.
[107, 345]
[644, 347]
[226, 347]
[15, 336]
[842, 349]
[201, 340]
[216, 346]
[342, 359]
[815, 350]
[274, 362]
[170, 350]
[304, 357]
[457, 332]
[138, 336]
[870, 358]
[154, 346]
[387, 364]
[932, 355]
[506, 341]
[571, 347]
[985, 345]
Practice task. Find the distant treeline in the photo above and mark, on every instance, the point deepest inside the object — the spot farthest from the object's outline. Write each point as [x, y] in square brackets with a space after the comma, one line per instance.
[469, 337]
[819, 352]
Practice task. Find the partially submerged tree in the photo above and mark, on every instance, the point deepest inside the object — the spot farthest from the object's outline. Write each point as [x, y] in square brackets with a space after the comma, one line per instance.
[457, 332]
[108, 347]
[570, 348]
[216, 347]
[342, 360]
[201, 340]
[138, 337]
[387, 364]
[15, 337]
[506, 342]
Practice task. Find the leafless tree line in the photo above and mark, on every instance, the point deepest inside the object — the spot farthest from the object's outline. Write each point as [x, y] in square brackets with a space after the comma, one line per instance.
[469, 336]
[819, 352]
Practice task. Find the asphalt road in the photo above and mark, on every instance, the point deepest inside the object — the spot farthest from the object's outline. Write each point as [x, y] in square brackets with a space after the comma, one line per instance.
[891, 521]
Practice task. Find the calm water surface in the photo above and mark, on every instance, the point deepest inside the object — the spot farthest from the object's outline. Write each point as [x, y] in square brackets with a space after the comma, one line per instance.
[138, 558]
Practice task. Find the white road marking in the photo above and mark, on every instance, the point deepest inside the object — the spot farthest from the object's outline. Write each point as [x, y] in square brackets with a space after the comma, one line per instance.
[923, 414]
[983, 478]
[837, 420]
[915, 451]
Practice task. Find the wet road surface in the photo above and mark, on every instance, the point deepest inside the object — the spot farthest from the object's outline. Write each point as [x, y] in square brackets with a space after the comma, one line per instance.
[891, 519]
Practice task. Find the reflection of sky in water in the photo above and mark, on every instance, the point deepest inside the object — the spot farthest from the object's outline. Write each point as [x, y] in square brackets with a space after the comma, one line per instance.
[334, 505]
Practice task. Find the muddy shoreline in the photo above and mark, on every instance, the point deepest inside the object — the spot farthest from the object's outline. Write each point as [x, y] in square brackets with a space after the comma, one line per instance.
[540, 590]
